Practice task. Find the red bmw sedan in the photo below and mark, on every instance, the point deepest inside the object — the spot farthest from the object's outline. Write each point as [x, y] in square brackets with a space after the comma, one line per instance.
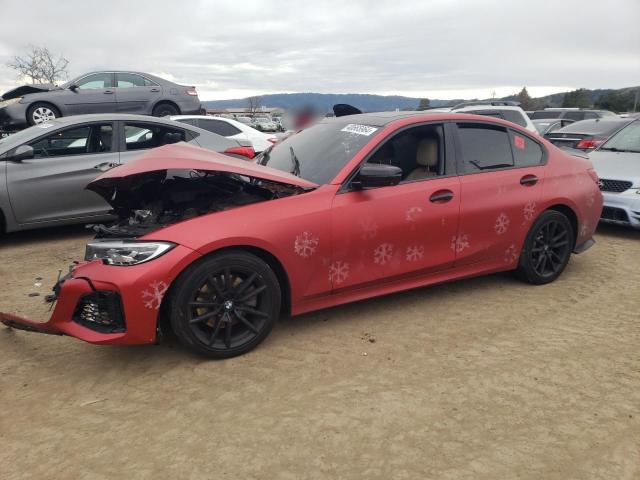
[350, 208]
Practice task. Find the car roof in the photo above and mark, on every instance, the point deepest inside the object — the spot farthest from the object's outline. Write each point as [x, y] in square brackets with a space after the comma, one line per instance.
[96, 117]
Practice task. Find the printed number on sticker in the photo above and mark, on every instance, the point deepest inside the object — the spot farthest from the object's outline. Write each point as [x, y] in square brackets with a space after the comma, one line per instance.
[359, 129]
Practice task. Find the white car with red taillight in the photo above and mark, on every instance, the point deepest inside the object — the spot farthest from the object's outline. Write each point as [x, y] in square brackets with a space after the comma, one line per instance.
[230, 128]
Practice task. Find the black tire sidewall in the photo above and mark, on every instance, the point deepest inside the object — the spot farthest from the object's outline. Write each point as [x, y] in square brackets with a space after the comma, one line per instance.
[36, 105]
[525, 270]
[165, 110]
[191, 279]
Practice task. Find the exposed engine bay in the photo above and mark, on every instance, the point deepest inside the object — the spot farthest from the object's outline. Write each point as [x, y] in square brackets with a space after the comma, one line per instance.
[152, 200]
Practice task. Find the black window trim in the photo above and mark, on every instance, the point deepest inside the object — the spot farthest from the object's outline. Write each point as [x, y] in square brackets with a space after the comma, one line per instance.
[115, 146]
[460, 158]
[450, 153]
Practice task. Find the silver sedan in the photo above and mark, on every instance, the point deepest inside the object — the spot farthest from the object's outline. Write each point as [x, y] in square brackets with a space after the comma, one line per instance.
[44, 169]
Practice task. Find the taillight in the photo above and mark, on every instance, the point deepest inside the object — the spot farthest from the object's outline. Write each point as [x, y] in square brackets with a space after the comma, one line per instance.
[588, 144]
[593, 175]
[192, 92]
[243, 151]
[272, 140]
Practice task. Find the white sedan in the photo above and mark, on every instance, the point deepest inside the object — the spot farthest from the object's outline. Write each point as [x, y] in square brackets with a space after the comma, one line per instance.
[229, 128]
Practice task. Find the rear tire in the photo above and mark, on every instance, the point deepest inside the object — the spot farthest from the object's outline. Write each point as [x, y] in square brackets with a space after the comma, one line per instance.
[225, 305]
[41, 112]
[165, 110]
[547, 249]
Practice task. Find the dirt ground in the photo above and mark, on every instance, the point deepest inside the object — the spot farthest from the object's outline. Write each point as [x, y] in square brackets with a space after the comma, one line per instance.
[480, 379]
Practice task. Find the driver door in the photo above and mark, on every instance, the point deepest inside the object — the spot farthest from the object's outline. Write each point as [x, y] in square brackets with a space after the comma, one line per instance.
[95, 94]
[51, 186]
[395, 232]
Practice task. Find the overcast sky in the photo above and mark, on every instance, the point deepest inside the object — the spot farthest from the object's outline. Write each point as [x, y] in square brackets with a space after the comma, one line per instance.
[436, 49]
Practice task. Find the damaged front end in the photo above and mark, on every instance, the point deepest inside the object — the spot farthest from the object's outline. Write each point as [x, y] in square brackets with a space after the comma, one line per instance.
[115, 295]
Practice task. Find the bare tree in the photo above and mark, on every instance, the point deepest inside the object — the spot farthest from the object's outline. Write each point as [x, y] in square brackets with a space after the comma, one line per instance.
[40, 65]
[254, 103]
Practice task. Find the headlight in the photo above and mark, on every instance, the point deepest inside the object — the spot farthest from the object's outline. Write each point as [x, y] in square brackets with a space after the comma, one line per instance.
[5, 103]
[125, 252]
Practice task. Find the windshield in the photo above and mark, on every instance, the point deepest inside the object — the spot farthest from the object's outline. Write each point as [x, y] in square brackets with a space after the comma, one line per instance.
[626, 140]
[319, 152]
[26, 134]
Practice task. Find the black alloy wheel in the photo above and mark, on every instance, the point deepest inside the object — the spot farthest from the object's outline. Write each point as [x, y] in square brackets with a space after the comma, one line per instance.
[227, 305]
[547, 248]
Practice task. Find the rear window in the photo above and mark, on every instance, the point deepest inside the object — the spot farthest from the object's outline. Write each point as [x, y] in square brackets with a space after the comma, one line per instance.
[515, 117]
[218, 126]
[593, 127]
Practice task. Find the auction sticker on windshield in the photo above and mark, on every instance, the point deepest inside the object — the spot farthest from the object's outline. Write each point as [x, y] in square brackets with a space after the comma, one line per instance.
[359, 129]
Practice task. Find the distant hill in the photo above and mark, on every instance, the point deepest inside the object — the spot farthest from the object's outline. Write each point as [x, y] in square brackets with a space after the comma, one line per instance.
[377, 103]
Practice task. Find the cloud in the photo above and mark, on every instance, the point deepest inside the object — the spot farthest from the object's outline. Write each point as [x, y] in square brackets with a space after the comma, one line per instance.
[436, 48]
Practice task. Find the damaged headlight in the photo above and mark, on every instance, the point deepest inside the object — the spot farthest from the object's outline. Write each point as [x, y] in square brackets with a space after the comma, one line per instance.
[125, 252]
[6, 103]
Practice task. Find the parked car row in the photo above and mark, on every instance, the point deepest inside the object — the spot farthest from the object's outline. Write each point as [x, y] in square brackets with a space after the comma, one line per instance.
[349, 208]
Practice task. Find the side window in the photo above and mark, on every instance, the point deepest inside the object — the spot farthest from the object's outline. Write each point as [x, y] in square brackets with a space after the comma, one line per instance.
[515, 116]
[139, 136]
[95, 80]
[128, 80]
[418, 151]
[484, 147]
[526, 152]
[75, 141]
[590, 115]
[574, 115]
[218, 126]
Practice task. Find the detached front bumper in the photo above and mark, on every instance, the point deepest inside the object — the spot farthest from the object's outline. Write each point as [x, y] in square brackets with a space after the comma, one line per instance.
[621, 208]
[105, 304]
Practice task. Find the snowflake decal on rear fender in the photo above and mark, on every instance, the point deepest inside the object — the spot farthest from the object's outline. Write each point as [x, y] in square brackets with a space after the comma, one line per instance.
[152, 296]
[584, 229]
[529, 211]
[502, 223]
[382, 254]
[460, 242]
[338, 272]
[414, 253]
[305, 244]
[510, 254]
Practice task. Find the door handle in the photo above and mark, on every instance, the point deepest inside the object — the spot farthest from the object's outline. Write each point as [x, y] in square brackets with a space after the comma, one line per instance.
[106, 92]
[154, 90]
[441, 196]
[529, 180]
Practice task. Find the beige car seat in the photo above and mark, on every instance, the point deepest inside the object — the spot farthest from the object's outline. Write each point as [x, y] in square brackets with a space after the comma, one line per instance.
[426, 160]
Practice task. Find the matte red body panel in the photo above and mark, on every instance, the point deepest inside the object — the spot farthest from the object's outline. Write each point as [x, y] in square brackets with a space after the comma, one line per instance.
[314, 234]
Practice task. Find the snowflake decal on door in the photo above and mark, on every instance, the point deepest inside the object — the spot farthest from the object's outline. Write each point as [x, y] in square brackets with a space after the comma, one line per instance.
[510, 254]
[152, 297]
[529, 210]
[414, 253]
[411, 215]
[382, 254]
[591, 199]
[305, 244]
[502, 223]
[369, 229]
[460, 242]
[338, 272]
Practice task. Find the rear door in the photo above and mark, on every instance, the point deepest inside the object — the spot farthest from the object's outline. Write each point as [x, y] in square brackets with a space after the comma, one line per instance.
[51, 186]
[95, 94]
[135, 93]
[502, 172]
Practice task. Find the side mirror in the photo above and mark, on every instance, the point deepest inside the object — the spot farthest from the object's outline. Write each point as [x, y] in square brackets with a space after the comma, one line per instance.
[73, 87]
[374, 175]
[23, 152]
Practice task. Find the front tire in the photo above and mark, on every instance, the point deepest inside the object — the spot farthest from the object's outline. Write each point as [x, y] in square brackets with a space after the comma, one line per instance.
[225, 305]
[165, 110]
[547, 249]
[41, 112]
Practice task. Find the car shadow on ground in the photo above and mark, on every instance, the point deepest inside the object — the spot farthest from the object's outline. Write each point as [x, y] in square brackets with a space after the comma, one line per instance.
[44, 235]
[620, 231]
